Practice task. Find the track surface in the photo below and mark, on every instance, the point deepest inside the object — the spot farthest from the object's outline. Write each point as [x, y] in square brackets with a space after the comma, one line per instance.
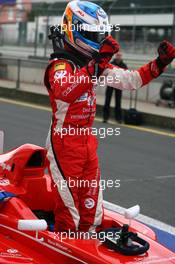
[143, 162]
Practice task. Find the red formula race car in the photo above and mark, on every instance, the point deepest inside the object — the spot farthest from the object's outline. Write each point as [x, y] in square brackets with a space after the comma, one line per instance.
[26, 222]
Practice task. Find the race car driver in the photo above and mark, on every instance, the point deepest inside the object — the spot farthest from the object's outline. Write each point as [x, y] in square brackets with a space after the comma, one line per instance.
[87, 48]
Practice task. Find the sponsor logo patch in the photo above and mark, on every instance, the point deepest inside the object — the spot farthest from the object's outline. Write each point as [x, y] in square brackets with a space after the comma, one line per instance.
[89, 203]
[101, 13]
[12, 250]
[4, 182]
[82, 98]
[80, 12]
[91, 100]
[59, 74]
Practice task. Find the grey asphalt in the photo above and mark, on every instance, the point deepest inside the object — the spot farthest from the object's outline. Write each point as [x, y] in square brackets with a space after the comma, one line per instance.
[143, 162]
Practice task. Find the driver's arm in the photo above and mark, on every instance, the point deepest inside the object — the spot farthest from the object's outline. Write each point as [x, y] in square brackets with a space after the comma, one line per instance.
[66, 84]
[130, 80]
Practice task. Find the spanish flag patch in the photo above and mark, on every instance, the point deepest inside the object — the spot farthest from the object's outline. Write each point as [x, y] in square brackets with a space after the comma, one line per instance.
[60, 66]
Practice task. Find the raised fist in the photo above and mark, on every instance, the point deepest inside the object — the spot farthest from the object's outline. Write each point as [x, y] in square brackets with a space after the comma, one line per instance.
[108, 48]
[166, 53]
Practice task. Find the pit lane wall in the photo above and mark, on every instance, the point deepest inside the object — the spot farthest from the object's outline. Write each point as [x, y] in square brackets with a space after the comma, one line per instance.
[22, 79]
[30, 71]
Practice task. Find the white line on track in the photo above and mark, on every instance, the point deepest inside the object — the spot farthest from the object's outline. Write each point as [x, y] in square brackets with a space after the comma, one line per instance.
[142, 218]
[163, 177]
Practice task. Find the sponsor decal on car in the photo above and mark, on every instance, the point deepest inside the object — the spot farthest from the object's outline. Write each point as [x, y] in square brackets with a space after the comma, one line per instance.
[58, 245]
[12, 250]
[5, 166]
[4, 182]
[13, 253]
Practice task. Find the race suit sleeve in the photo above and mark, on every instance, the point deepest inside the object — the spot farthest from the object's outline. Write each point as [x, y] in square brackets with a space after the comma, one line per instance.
[129, 79]
[66, 84]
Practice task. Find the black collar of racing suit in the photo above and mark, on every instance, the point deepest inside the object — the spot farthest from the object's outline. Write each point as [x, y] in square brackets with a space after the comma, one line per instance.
[63, 54]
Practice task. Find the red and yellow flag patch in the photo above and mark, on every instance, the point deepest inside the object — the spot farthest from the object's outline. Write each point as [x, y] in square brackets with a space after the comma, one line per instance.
[60, 66]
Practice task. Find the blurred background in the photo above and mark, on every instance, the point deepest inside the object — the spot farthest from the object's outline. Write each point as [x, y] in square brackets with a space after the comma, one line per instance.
[25, 48]
[144, 23]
